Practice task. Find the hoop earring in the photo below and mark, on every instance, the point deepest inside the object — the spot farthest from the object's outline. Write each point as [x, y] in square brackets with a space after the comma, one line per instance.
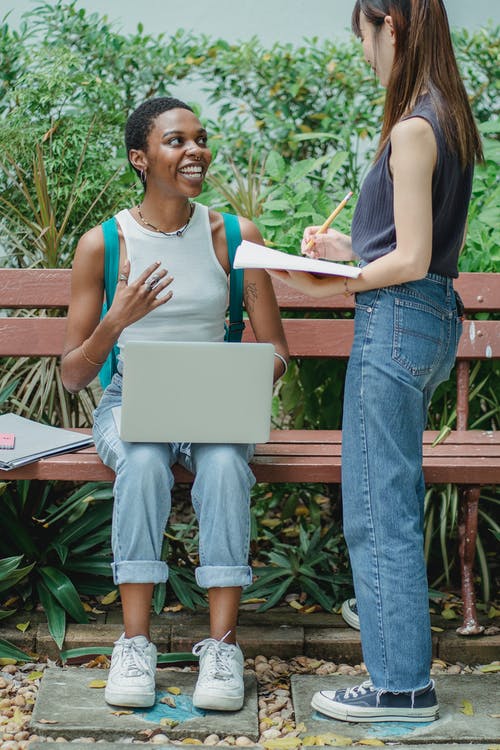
[143, 176]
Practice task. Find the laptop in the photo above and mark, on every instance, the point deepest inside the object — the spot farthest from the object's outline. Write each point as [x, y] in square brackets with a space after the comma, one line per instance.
[197, 392]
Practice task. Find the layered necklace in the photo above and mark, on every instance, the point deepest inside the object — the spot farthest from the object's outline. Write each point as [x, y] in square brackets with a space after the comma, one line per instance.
[178, 232]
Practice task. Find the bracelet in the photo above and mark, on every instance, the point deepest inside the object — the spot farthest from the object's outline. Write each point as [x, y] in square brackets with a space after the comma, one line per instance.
[347, 293]
[285, 363]
[90, 361]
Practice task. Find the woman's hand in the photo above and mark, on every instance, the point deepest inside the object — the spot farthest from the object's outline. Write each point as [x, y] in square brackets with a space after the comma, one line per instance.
[309, 283]
[135, 300]
[331, 245]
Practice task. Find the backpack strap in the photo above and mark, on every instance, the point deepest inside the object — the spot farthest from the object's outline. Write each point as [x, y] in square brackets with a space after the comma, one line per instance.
[111, 262]
[234, 329]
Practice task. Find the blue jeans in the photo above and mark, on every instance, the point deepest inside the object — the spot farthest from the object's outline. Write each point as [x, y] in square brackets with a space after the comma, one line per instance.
[404, 346]
[142, 502]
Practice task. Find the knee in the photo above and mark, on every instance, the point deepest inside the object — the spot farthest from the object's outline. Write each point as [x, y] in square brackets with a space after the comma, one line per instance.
[143, 462]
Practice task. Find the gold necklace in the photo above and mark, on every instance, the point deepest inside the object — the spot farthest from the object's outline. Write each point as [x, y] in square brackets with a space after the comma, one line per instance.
[177, 233]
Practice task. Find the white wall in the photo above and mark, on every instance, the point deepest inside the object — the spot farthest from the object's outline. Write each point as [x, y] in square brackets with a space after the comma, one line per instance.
[271, 20]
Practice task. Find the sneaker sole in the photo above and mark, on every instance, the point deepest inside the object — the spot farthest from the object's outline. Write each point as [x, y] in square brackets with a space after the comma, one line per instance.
[349, 617]
[218, 702]
[131, 700]
[365, 714]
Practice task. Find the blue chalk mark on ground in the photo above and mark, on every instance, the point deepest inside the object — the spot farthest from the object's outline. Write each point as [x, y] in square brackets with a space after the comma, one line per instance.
[383, 728]
[183, 711]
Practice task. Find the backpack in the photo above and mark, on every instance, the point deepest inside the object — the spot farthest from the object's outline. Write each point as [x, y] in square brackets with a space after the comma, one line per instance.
[233, 329]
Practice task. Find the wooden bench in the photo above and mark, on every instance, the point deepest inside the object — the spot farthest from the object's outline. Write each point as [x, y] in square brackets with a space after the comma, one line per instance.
[467, 458]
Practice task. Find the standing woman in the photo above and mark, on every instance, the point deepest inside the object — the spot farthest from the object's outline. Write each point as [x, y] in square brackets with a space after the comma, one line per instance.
[408, 230]
[172, 286]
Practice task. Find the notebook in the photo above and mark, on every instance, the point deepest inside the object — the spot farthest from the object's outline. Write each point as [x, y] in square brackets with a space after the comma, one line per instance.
[251, 255]
[33, 440]
[196, 392]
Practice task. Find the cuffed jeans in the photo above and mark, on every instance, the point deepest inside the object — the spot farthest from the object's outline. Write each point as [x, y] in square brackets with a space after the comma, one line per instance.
[404, 346]
[142, 502]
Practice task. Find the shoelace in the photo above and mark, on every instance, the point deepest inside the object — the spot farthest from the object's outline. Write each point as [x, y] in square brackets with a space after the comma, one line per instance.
[357, 690]
[217, 658]
[133, 661]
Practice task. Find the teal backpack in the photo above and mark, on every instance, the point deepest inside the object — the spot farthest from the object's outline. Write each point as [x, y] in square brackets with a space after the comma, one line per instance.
[234, 329]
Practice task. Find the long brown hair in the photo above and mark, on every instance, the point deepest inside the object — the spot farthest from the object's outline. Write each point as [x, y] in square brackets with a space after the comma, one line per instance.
[424, 62]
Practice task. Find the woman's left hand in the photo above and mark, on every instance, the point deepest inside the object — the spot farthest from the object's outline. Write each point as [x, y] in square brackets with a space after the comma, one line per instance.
[311, 284]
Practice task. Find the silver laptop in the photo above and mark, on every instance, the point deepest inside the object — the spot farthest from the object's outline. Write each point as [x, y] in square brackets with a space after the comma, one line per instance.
[196, 392]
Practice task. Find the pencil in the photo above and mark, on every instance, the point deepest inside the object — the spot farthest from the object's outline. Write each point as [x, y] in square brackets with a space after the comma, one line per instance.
[328, 221]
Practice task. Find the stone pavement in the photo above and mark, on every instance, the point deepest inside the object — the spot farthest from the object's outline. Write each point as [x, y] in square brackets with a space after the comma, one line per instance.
[67, 706]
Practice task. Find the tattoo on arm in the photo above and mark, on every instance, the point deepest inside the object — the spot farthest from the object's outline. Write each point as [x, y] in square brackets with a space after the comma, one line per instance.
[250, 296]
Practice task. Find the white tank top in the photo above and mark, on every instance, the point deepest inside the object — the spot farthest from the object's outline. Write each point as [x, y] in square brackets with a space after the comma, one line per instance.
[197, 309]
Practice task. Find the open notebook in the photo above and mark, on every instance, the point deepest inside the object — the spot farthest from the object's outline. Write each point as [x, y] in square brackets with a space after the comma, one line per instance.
[196, 392]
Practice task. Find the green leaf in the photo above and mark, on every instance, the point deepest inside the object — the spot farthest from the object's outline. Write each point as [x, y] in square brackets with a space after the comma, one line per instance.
[8, 651]
[10, 580]
[6, 613]
[56, 615]
[62, 589]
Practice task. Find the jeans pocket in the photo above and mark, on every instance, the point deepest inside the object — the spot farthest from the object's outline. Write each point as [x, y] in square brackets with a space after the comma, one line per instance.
[419, 333]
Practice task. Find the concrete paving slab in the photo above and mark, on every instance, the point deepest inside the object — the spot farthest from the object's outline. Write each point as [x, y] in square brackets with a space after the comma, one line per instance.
[481, 692]
[67, 707]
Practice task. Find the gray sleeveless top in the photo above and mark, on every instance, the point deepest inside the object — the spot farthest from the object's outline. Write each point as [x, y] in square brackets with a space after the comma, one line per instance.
[196, 311]
[373, 231]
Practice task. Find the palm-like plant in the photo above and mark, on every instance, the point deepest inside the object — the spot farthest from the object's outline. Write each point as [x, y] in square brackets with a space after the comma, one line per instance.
[65, 543]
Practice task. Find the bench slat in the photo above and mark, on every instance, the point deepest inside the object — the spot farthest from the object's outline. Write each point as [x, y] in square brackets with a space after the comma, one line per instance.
[50, 288]
[306, 338]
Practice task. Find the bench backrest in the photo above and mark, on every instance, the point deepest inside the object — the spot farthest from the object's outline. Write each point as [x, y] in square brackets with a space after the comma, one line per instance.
[330, 336]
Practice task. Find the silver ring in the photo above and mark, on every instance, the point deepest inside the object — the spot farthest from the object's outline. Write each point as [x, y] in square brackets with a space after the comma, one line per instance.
[122, 277]
[152, 283]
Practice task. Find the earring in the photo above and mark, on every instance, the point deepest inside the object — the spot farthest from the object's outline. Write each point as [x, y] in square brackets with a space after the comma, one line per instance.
[142, 176]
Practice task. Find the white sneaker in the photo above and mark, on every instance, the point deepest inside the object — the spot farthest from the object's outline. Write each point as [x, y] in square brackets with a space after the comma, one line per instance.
[220, 682]
[131, 679]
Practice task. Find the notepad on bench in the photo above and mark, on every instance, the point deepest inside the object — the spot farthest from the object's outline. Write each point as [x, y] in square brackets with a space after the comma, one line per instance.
[34, 440]
[197, 392]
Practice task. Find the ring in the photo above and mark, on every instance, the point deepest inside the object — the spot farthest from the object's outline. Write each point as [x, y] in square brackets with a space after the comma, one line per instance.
[122, 277]
[152, 283]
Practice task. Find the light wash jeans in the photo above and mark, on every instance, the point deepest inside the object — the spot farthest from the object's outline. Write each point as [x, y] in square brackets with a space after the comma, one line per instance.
[404, 346]
[142, 502]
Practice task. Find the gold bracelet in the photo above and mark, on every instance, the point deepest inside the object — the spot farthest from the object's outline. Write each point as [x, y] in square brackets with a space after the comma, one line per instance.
[90, 361]
[347, 293]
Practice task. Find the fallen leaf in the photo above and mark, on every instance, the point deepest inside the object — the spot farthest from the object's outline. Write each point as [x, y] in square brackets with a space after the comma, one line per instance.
[301, 727]
[255, 600]
[174, 690]
[333, 740]
[295, 604]
[122, 713]
[110, 598]
[439, 662]
[34, 675]
[169, 701]
[86, 606]
[17, 717]
[467, 708]
[23, 626]
[97, 684]
[436, 629]
[174, 608]
[370, 741]
[493, 612]
[283, 743]
[47, 721]
[191, 741]
[309, 741]
[167, 722]
[5, 661]
[490, 668]
[449, 614]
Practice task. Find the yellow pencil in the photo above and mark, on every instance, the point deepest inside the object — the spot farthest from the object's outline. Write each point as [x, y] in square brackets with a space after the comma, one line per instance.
[328, 221]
